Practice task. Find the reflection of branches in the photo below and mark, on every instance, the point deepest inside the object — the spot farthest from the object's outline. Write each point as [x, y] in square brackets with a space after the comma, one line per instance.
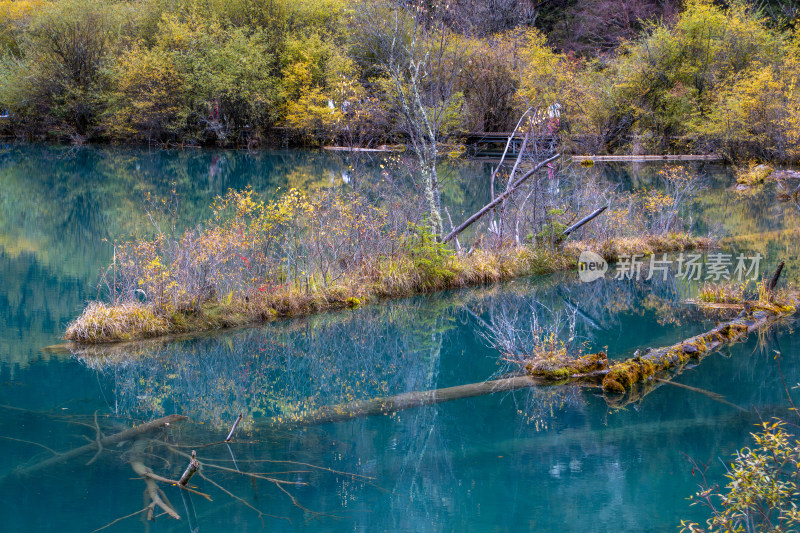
[283, 369]
[542, 402]
[517, 335]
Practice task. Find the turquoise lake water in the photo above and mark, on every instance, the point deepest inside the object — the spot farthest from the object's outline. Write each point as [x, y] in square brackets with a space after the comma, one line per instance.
[541, 459]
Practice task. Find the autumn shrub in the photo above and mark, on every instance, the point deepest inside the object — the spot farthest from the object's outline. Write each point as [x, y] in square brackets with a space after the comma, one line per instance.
[753, 174]
[57, 78]
[672, 77]
[253, 248]
[757, 116]
[15, 15]
[429, 257]
[762, 491]
[201, 80]
[490, 84]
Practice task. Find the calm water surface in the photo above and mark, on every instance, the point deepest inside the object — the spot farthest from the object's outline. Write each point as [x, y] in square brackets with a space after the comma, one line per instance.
[558, 459]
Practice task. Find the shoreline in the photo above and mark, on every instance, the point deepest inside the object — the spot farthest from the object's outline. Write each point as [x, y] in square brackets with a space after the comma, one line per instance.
[381, 149]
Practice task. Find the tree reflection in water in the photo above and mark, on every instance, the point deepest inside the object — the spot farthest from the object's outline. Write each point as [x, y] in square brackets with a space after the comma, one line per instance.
[279, 370]
[284, 370]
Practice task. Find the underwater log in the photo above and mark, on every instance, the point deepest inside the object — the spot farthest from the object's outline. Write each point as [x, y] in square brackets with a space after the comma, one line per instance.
[399, 402]
[127, 434]
[156, 495]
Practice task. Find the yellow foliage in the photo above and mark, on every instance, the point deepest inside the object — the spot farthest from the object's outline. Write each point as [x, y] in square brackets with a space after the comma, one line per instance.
[149, 91]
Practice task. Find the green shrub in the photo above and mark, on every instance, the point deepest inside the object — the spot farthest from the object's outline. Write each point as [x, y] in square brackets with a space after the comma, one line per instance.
[431, 258]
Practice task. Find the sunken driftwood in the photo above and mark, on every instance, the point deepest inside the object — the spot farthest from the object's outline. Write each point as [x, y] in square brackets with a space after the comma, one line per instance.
[152, 492]
[407, 400]
[128, 434]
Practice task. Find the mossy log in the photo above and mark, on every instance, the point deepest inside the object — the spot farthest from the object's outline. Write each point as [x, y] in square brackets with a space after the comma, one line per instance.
[399, 402]
[635, 376]
[128, 434]
[621, 376]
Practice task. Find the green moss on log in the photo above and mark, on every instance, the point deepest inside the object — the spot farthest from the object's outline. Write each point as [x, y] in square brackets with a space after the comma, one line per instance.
[557, 370]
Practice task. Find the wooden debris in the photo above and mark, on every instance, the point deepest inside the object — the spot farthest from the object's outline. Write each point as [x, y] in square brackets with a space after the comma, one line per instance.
[407, 400]
[194, 464]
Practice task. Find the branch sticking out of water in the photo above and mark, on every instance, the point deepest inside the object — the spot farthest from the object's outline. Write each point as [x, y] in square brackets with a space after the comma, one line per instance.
[233, 429]
[194, 464]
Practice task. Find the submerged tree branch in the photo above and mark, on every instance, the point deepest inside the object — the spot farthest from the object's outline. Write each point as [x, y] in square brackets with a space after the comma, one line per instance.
[128, 434]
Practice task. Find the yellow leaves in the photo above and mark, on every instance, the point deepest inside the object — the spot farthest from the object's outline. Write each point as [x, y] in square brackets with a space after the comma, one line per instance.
[547, 77]
[655, 201]
[314, 112]
[17, 11]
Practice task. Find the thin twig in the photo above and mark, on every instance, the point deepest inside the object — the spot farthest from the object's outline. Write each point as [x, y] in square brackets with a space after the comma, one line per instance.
[140, 511]
[261, 514]
[98, 437]
[713, 395]
[31, 442]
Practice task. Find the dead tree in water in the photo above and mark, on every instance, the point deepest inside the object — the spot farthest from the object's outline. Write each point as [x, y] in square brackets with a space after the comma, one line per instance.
[144, 445]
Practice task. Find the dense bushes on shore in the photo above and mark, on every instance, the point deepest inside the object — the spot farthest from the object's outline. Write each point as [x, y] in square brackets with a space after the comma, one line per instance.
[252, 72]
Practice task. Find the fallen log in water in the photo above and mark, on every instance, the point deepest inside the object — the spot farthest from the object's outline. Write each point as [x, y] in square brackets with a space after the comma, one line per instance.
[620, 377]
[127, 434]
[406, 400]
[635, 377]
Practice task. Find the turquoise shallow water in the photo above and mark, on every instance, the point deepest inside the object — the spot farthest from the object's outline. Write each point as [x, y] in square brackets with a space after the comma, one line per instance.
[533, 460]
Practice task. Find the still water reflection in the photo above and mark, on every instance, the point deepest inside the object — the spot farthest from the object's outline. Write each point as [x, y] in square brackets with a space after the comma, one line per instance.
[538, 459]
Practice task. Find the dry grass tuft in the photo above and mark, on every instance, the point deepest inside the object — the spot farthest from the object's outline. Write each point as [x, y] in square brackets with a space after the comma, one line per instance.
[721, 293]
[102, 323]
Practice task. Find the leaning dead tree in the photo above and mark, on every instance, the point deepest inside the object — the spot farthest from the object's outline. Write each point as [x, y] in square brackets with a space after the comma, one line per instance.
[512, 188]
